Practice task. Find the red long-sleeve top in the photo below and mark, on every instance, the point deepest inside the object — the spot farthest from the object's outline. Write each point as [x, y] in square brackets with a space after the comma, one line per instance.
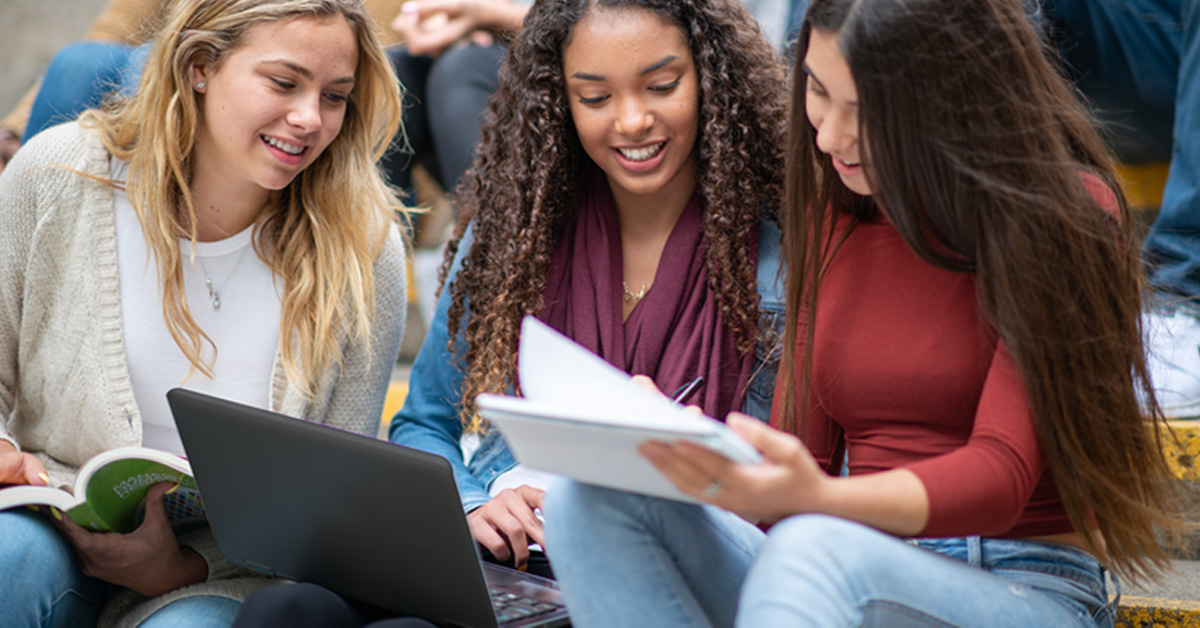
[908, 374]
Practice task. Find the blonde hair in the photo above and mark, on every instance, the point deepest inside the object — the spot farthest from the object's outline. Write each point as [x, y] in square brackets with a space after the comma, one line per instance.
[321, 233]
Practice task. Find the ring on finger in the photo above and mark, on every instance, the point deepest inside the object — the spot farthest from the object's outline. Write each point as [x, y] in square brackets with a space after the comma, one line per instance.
[712, 490]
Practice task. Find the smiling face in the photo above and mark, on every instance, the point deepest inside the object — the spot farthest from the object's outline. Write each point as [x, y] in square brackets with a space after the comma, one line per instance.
[274, 103]
[634, 96]
[831, 103]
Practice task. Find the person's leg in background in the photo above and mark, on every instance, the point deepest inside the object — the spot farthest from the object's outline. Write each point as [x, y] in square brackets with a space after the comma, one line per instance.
[1138, 61]
[1124, 55]
[415, 144]
[1173, 245]
[78, 78]
[461, 82]
[458, 84]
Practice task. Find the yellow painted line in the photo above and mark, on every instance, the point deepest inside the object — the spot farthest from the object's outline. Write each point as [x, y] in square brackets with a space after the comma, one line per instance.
[1150, 612]
[396, 393]
[1183, 449]
[1143, 184]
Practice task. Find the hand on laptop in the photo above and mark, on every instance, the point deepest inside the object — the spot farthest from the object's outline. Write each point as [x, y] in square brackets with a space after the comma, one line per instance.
[147, 560]
[506, 525]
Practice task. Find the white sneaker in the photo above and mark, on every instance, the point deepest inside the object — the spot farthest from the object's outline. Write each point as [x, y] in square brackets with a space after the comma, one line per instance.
[1173, 358]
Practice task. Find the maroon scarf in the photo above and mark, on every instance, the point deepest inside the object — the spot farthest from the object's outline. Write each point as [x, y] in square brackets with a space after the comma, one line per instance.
[675, 333]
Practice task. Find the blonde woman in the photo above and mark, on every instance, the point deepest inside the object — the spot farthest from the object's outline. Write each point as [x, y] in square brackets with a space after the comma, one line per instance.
[226, 230]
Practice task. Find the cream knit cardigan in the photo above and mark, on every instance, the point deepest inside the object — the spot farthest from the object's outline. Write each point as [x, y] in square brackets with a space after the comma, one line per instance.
[65, 392]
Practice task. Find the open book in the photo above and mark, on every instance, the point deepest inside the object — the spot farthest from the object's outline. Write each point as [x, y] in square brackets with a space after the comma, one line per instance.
[583, 418]
[110, 489]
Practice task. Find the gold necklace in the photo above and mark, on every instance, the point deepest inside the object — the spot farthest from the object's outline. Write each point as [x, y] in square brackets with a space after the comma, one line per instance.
[630, 297]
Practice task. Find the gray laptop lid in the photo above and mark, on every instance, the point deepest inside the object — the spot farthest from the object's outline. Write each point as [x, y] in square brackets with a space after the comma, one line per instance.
[369, 519]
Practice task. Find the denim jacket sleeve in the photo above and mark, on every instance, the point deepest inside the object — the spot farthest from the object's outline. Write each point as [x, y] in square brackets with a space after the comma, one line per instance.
[429, 418]
[769, 344]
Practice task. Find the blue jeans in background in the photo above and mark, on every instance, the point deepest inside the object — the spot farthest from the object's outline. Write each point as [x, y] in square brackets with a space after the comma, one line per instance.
[1138, 63]
[630, 560]
[80, 77]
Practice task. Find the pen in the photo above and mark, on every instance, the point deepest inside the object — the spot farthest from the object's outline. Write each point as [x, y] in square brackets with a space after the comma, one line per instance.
[686, 390]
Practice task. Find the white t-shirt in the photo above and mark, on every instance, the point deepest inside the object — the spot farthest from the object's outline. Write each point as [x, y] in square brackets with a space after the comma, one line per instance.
[244, 328]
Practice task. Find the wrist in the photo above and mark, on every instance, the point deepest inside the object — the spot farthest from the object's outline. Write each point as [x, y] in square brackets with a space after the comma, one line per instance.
[821, 496]
[190, 569]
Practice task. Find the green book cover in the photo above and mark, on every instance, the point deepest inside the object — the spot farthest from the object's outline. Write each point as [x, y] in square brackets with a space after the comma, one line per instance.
[110, 490]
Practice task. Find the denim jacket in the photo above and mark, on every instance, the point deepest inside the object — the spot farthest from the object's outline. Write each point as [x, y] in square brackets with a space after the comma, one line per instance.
[429, 419]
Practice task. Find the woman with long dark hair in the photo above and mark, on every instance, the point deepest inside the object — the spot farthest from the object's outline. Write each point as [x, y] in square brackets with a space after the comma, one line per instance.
[963, 332]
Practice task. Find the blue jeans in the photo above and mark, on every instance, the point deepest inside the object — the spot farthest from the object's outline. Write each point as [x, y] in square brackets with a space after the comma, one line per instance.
[629, 560]
[40, 581]
[201, 611]
[79, 77]
[41, 584]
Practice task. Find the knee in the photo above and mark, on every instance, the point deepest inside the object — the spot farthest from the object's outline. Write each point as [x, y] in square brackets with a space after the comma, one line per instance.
[574, 508]
[94, 60]
[565, 502]
[31, 550]
[475, 66]
[39, 575]
[290, 604]
[822, 543]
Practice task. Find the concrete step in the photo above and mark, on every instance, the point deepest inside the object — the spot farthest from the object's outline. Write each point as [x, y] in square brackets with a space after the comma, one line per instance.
[1183, 450]
[1175, 602]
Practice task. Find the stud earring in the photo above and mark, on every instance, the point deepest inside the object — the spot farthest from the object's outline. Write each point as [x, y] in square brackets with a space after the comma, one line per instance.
[201, 85]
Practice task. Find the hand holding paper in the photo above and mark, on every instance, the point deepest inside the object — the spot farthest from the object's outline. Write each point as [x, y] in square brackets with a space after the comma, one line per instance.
[583, 418]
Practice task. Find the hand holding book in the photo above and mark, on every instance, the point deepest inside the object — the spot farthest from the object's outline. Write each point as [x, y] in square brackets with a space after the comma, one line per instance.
[148, 560]
[110, 488]
[20, 468]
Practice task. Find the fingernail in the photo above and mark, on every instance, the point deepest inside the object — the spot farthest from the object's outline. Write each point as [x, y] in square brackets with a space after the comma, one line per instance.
[45, 478]
[172, 489]
[57, 514]
[523, 567]
[409, 7]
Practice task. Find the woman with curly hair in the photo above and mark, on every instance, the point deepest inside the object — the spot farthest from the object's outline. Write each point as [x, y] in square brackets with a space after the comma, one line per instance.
[620, 193]
[963, 324]
[225, 230]
[624, 192]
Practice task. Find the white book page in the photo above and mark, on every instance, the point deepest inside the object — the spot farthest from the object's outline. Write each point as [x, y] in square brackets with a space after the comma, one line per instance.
[558, 373]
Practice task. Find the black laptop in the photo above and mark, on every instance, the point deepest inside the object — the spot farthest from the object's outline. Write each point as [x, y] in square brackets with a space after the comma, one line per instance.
[371, 520]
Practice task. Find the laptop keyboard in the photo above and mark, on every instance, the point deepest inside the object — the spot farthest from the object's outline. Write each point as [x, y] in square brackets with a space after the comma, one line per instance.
[511, 607]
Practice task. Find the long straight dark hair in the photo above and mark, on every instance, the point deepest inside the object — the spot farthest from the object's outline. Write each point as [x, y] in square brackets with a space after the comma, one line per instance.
[978, 148]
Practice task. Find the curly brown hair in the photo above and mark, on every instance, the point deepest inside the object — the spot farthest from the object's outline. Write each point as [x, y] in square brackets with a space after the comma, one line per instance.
[520, 194]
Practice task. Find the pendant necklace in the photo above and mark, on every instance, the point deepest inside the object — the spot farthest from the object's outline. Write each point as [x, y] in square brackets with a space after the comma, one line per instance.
[214, 292]
[631, 296]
